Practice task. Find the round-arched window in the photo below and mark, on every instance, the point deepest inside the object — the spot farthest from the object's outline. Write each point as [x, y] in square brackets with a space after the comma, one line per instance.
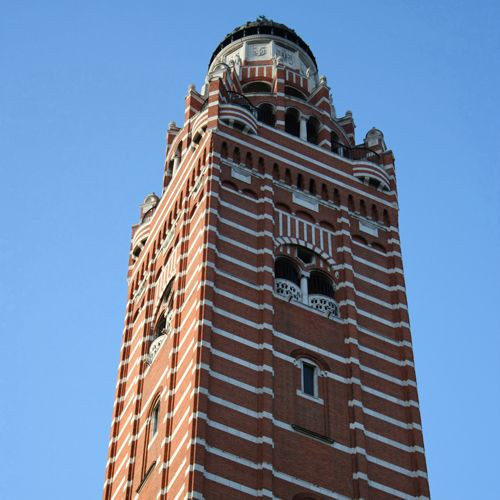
[286, 269]
[320, 284]
[257, 87]
[266, 114]
[292, 125]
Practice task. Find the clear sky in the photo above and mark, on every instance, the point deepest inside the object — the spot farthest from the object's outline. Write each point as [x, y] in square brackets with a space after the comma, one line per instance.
[87, 89]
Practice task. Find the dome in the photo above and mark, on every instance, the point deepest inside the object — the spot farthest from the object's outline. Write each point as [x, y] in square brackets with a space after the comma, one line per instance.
[264, 26]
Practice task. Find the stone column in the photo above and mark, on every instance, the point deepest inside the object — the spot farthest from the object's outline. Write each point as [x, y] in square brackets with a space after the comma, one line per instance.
[304, 282]
[303, 127]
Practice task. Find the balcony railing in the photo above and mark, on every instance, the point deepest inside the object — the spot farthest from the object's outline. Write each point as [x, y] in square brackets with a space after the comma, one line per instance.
[288, 289]
[324, 304]
[357, 153]
[160, 338]
[241, 101]
[155, 346]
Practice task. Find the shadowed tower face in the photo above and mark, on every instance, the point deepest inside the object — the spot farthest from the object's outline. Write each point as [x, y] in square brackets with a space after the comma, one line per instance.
[266, 349]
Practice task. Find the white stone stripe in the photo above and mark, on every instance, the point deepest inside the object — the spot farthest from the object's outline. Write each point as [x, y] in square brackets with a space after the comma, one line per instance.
[241, 300]
[287, 358]
[335, 357]
[300, 166]
[372, 352]
[386, 489]
[171, 194]
[240, 319]
[231, 484]
[379, 302]
[393, 253]
[234, 278]
[259, 465]
[389, 288]
[119, 488]
[165, 490]
[385, 440]
[386, 270]
[246, 212]
[241, 228]
[280, 475]
[288, 427]
[234, 432]
[235, 382]
[384, 338]
[231, 241]
[383, 417]
[238, 262]
[236, 360]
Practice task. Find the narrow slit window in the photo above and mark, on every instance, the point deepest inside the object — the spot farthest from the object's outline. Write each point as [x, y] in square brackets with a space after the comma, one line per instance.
[154, 419]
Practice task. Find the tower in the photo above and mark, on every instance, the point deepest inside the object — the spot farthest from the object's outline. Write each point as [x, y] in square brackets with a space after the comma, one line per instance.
[266, 349]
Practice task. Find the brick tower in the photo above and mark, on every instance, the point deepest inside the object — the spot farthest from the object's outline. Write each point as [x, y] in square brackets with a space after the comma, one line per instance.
[266, 349]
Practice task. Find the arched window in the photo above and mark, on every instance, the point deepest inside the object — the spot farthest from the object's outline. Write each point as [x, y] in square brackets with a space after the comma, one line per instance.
[324, 191]
[292, 124]
[152, 424]
[286, 269]
[257, 87]
[321, 293]
[387, 221]
[293, 92]
[313, 130]
[266, 114]
[260, 166]
[248, 160]
[276, 172]
[320, 284]
[295, 280]
[287, 278]
[155, 418]
[300, 182]
[350, 203]
[161, 326]
[336, 196]
[335, 144]
[236, 155]
[177, 158]
[312, 186]
[362, 208]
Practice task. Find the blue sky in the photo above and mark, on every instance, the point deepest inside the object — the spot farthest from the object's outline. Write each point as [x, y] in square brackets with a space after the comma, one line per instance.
[86, 92]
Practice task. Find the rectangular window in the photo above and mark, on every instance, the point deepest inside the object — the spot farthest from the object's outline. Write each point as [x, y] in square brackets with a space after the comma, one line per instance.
[308, 379]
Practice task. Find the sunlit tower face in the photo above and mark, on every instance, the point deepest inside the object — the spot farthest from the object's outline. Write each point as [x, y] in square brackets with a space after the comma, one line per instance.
[266, 349]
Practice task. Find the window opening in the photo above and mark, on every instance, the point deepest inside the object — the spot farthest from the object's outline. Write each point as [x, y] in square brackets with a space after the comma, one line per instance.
[312, 130]
[155, 419]
[293, 92]
[257, 87]
[308, 379]
[292, 124]
[266, 114]
[320, 284]
[285, 269]
[305, 255]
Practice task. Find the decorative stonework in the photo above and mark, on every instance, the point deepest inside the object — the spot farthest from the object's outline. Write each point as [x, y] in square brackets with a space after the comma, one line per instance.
[155, 347]
[288, 289]
[324, 304]
[158, 341]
